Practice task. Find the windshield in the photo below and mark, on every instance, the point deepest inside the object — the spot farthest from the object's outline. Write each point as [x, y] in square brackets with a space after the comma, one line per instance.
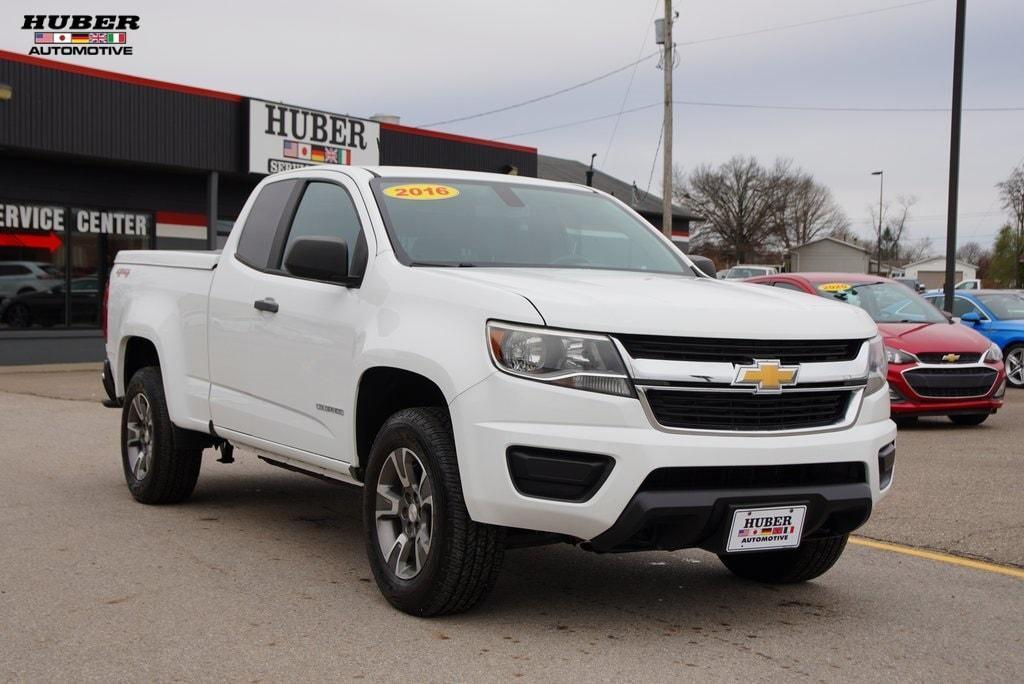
[1004, 305]
[446, 222]
[884, 302]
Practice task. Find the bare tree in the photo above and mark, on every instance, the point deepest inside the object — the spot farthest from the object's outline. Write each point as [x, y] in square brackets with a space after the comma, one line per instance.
[897, 247]
[737, 205]
[971, 252]
[803, 208]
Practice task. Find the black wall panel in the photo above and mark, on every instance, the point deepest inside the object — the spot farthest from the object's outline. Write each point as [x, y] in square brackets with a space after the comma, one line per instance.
[70, 113]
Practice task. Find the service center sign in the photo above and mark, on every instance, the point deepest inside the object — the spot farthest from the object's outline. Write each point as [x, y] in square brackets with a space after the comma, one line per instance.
[36, 226]
[283, 137]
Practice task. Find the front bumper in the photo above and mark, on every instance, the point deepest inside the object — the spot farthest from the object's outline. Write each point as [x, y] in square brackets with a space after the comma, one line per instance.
[502, 411]
[906, 402]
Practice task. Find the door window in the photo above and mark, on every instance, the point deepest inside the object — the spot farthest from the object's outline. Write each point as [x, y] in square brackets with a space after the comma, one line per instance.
[788, 286]
[257, 240]
[326, 210]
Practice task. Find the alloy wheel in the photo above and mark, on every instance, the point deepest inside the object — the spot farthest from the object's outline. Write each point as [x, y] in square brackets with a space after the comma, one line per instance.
[139, 441]
[404, 513]
[1015, 367]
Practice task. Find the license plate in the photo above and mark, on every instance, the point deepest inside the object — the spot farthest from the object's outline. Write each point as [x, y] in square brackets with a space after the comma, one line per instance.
[759, 529]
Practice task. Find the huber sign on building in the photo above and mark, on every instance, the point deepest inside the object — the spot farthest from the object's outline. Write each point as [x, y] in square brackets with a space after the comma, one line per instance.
[283, 137]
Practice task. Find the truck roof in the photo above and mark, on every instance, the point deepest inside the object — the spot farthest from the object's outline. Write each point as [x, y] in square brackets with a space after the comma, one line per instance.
[428, 172]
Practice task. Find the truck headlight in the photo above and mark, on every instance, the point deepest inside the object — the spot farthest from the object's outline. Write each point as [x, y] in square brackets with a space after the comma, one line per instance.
[993, 354]
[878, 366]
[579, 360]
[893, 355]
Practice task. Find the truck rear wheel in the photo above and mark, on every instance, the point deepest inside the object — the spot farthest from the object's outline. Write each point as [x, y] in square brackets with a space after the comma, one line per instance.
[811, 559]
[161, 462]
[427, 555]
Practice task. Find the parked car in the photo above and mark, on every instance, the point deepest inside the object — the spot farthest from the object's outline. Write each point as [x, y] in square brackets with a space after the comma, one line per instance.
[742, 271]
[935, 366]
[510, 381]
[999, 316]
[19, 277]
[913, 283]
[46, 307]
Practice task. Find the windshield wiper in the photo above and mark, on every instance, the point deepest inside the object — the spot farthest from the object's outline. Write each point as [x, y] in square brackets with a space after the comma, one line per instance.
[444, 264]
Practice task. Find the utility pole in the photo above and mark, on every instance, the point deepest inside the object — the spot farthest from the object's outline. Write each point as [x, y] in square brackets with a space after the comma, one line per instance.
[878, 249]
[954, 154]
[668, 60]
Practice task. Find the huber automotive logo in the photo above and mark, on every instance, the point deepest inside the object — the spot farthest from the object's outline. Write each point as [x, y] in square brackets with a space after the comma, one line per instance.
[80, 34]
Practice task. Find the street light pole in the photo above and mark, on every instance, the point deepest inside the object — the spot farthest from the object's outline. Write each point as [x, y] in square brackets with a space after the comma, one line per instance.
[954, 154]
[878, 248]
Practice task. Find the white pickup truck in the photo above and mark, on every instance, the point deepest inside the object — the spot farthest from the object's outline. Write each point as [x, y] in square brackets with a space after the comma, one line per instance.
[498, 362]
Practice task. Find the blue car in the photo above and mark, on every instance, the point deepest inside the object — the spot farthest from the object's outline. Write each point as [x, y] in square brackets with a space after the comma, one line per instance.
[999, 316]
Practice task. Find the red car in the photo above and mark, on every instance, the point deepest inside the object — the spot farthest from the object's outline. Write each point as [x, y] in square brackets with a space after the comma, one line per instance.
[936, 366]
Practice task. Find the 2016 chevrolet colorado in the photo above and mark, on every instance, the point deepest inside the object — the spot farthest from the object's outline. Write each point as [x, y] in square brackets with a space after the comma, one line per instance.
[500, 361]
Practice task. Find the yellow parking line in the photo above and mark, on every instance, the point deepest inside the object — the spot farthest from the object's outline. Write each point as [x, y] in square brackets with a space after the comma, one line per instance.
[939, 556]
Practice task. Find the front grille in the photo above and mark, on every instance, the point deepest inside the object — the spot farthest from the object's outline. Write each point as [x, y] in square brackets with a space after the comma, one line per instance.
[951, 382]
[743, 411]
[936, 357]
[738, 351]
[754, 477]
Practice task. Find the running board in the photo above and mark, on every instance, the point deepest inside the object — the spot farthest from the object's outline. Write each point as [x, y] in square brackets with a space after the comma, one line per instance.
[312, 471]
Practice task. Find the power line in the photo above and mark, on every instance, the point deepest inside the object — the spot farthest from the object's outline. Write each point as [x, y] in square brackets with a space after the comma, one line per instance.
[542, 97]
[746, 105]
[700, 41]
[629, 87]
[806, 23]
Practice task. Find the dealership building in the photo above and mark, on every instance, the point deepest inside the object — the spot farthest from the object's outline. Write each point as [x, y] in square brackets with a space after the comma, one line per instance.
[93, 162]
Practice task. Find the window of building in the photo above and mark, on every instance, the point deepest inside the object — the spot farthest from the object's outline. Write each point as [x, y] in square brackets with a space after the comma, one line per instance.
[54, 261]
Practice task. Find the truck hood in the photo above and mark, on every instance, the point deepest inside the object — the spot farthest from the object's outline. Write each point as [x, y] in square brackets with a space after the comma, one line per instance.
[918, 338]
[661, 304]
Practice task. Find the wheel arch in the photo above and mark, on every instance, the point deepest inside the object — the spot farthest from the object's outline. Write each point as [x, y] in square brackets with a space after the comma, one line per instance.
[384, 390]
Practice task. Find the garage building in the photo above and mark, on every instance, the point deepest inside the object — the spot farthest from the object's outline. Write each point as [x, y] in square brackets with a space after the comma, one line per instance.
[932, 272]
[92, 162]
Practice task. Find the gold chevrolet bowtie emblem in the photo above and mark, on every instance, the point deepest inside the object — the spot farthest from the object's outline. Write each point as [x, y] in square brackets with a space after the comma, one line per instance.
[951, 358]
[766, 376]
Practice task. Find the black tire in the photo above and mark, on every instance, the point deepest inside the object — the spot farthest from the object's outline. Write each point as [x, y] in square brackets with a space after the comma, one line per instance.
[812, 559]
[18, 315]
[464, 557]
[904, 421]
[175, 455]
[969, 419]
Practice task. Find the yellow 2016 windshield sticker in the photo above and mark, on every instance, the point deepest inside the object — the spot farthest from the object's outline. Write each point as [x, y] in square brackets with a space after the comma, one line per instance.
[421, 191]
[834, 287]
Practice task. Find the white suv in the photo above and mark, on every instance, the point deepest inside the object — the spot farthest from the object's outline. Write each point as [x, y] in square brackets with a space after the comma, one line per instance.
[22, 277]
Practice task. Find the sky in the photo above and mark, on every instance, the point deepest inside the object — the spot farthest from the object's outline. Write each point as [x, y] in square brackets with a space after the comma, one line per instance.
[445, 59]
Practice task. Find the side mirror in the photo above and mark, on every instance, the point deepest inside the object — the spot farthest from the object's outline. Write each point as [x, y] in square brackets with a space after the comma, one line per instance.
[971, 317]
[318, 258]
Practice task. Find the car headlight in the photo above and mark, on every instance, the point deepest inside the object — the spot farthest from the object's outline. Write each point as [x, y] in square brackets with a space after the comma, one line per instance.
[878, 367]
[993, 354]
[578, 360]
[898, 356]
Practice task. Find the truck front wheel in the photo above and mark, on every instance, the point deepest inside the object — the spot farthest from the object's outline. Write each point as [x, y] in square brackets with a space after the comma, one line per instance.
[427, 555]
[161, 462]
[811, 559]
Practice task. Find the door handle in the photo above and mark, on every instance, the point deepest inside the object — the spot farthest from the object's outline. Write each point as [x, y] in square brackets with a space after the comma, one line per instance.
[267, 304]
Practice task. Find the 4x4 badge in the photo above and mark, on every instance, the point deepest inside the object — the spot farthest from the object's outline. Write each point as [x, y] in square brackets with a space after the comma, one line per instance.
[766, 376]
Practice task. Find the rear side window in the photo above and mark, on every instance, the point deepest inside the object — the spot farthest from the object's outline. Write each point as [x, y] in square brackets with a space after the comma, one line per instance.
[12, 270]
[257, 240]
[326, 210]
[788, 286]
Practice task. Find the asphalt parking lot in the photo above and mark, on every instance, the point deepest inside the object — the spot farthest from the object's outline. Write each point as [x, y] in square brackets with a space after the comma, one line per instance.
[262, 576]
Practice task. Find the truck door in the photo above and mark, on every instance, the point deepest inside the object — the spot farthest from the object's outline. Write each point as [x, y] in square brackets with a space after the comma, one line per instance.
[282, 347]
